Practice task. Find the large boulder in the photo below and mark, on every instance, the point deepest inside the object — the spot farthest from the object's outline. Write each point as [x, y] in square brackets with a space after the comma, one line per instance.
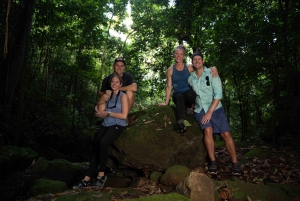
[14, 159]
[151, 142]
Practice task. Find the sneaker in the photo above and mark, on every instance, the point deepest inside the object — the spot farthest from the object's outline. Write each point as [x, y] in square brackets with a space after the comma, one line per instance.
[100, 181]
[82, 184]
[212, 168]
[236, 169]
[189, 111]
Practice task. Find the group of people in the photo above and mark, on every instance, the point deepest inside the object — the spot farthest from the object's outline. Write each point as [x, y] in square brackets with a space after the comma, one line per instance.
[196, 90]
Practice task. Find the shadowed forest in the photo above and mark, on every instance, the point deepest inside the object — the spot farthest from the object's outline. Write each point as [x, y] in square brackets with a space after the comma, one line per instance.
[55, 54]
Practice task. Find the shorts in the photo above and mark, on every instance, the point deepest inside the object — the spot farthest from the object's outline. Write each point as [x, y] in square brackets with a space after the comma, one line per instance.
[218, 120]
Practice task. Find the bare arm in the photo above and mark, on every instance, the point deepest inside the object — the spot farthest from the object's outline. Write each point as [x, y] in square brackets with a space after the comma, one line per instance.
[132, 87]
[213, 70]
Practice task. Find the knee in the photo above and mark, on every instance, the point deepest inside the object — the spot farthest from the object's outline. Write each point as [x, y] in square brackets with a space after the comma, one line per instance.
[180, 97]
[130, 94]
[226, 136]
[208, 132]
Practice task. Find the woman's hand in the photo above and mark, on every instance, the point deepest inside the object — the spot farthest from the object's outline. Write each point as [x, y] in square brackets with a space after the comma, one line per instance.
[214, 71]
[102, 114]
[162, 104]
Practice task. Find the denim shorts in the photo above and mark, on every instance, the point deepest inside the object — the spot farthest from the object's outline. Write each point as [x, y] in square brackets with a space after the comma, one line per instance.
[218, 120]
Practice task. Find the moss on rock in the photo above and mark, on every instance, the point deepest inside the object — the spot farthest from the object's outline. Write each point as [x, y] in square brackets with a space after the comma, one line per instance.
[174, 175]
[43, 186]
[155, 176]
[40, 167]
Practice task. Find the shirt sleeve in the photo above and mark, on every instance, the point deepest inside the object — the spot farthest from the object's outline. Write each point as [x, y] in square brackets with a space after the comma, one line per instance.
[217, 88]
[105, 84]
[130, 79]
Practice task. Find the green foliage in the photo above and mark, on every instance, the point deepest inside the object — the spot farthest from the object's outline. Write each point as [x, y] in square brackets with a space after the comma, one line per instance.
[72, 48]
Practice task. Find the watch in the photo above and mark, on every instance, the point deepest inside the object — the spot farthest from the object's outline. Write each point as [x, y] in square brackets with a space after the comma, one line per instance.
[108, 114]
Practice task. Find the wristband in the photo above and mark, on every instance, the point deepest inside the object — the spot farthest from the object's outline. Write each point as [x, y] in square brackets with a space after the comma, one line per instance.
[108, 114]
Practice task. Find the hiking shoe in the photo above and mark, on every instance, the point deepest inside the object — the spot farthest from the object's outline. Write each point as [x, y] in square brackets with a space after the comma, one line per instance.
[236, 170]
[189, 111]
[212, 168]
[100, 181]
[181, 127]
[82, 184]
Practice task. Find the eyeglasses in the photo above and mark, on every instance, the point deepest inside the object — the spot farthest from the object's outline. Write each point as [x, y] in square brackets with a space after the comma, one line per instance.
[207, 81]
[115, 101]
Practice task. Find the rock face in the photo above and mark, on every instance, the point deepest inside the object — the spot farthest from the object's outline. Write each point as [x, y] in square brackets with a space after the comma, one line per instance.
[152, 143]
[197, 186]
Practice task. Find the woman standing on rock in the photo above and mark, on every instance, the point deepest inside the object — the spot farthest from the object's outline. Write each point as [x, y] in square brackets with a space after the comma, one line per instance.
[113, 124]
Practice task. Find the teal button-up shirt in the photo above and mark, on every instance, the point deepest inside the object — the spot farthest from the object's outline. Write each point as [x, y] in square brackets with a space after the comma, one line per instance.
[206, 94]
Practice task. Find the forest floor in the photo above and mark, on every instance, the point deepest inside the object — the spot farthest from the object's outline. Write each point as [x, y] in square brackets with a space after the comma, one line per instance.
[260, 164]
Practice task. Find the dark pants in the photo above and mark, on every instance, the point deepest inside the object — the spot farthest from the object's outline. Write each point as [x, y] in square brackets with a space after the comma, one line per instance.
[105, 137]
[182, 101]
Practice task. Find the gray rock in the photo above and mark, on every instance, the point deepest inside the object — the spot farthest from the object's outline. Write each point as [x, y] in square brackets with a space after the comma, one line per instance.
[197, 186]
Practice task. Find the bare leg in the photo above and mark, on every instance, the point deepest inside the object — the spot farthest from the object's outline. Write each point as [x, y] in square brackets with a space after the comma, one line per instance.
[209, 143]
[230, 146]
[87, 178]
[130, 96]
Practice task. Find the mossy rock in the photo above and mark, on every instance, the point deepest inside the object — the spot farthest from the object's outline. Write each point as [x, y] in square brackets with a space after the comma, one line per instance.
[65, 171]
[12, 153]
[14, 159]
[43, 186]
[291, 190]
[40, 168]
[155, 176]
[241, 190]
[174, 175]
[152, 143]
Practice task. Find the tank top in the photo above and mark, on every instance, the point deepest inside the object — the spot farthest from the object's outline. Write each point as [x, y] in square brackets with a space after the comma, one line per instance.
[114, 105]
[179, 79]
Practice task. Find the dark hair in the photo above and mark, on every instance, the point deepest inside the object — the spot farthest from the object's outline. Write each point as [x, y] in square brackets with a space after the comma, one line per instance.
[117, 76]
[180, 47]
[197, 53]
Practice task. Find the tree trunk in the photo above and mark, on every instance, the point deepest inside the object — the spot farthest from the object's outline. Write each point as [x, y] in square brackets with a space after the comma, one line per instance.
[15, 60]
